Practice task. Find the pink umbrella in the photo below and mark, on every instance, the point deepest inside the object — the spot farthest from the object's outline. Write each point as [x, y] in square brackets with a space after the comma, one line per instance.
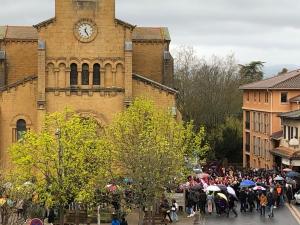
[203, 175]
[287, 170]
[259, 188]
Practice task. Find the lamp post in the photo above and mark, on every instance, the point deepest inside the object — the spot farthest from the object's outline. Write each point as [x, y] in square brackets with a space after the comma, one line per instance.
[60, 174]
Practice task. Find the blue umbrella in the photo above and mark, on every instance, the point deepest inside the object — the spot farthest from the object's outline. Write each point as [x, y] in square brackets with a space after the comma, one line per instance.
[247, 183]
[293, 174]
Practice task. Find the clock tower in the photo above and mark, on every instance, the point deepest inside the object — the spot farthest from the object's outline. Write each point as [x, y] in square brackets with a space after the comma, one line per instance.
[101, 9]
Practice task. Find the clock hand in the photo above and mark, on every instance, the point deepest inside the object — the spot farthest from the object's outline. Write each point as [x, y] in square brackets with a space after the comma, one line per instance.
[86, 32]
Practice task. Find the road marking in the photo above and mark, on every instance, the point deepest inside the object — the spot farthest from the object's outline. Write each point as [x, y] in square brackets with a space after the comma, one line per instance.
[294, 212]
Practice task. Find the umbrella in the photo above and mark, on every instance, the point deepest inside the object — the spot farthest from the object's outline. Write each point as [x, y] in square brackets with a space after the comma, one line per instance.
[222, 196]
[222, 187]
[197, 187]
[287, 170]
[279, 178]
[261, 184]
[203, 175]
[213, 188]
[247, 183]
[293, 174]
[259, 188]
[231, 191]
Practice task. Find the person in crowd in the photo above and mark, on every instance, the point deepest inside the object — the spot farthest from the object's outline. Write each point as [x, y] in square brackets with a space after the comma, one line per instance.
[279, 194]
[263, 203]
[202, 201]
[115, 220]
[243, 200]
[165, 209]
[232, 205]
[124, 221]
[251, 199]
[174, 210]
[210, 202]
[270, 204]
[289, 193]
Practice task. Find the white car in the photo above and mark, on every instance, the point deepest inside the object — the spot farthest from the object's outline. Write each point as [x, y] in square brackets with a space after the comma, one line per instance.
[297, 197]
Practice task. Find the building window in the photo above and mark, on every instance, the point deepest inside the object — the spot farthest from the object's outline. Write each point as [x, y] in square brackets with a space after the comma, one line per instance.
[296, 133]
[247, 124]
[248, 96]
[85, 74]
[247, 142]
[255, 96]
[266, 97]
[73, 74]
[259, 96]
[96, 75]
[21, 129]
[283, 97]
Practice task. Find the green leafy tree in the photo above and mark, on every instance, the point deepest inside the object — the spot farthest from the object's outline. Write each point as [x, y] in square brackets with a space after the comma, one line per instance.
[227, 140]
[66, 159]
[149, 146]
[252, 72]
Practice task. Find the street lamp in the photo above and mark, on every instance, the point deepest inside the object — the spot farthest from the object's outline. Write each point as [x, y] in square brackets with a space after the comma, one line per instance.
[60, 171]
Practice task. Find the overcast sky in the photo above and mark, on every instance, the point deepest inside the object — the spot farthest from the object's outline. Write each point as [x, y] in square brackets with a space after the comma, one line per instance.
[266, 30]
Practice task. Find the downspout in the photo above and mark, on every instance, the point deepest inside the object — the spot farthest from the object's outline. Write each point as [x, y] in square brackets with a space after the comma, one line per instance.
[271, 122]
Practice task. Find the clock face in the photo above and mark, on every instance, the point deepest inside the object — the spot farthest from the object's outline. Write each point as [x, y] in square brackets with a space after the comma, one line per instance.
[85, 30]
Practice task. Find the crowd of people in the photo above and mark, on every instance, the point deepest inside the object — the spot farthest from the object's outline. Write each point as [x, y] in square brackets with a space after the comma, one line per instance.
[260, 191]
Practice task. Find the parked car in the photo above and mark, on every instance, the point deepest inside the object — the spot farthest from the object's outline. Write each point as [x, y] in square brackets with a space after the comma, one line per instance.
[297, 197]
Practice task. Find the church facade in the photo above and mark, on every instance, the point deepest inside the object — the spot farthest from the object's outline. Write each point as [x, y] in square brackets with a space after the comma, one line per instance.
[83, 58]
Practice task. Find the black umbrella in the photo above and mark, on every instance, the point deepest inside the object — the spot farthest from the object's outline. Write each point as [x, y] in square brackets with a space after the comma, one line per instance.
[222, 187]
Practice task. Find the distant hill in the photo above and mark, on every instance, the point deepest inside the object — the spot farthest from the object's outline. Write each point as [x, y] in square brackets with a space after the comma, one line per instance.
[272, 70]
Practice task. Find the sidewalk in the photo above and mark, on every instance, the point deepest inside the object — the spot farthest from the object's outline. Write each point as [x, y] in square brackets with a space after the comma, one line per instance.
[133, 219]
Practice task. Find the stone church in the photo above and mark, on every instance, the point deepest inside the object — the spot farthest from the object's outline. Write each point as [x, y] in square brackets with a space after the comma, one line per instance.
[84, 58]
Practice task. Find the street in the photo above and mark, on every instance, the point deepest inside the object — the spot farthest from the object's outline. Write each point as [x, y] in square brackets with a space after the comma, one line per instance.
[282, 216]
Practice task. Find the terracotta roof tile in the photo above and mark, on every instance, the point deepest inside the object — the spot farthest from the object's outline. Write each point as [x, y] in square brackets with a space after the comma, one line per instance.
[290, 80]
[283, 152]
[151, 33]
[18, 32]
[291, 115]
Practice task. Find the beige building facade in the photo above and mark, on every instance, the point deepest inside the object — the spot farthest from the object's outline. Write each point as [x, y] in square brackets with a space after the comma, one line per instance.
[263, 103]
[83, 58]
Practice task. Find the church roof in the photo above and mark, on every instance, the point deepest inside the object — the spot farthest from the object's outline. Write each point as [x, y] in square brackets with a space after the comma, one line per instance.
[154, 83]
[151, 33]
[289, 80]
[30, 33]
[18, 33]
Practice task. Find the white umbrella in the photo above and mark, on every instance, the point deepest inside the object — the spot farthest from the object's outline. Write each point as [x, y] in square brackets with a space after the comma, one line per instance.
[259, 188]
[213, 188]
[279, 178]
[231, 191]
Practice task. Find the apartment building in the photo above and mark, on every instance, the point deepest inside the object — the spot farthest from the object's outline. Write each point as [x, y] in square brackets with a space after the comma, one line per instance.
[263, 103]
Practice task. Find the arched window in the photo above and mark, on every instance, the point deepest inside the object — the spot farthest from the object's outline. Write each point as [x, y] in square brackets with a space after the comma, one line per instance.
[85, 74]
[21, 129]
[96, 74]
[73, 74]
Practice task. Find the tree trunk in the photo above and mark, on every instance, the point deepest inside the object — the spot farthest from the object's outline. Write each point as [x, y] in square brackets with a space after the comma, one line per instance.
[61, 215]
